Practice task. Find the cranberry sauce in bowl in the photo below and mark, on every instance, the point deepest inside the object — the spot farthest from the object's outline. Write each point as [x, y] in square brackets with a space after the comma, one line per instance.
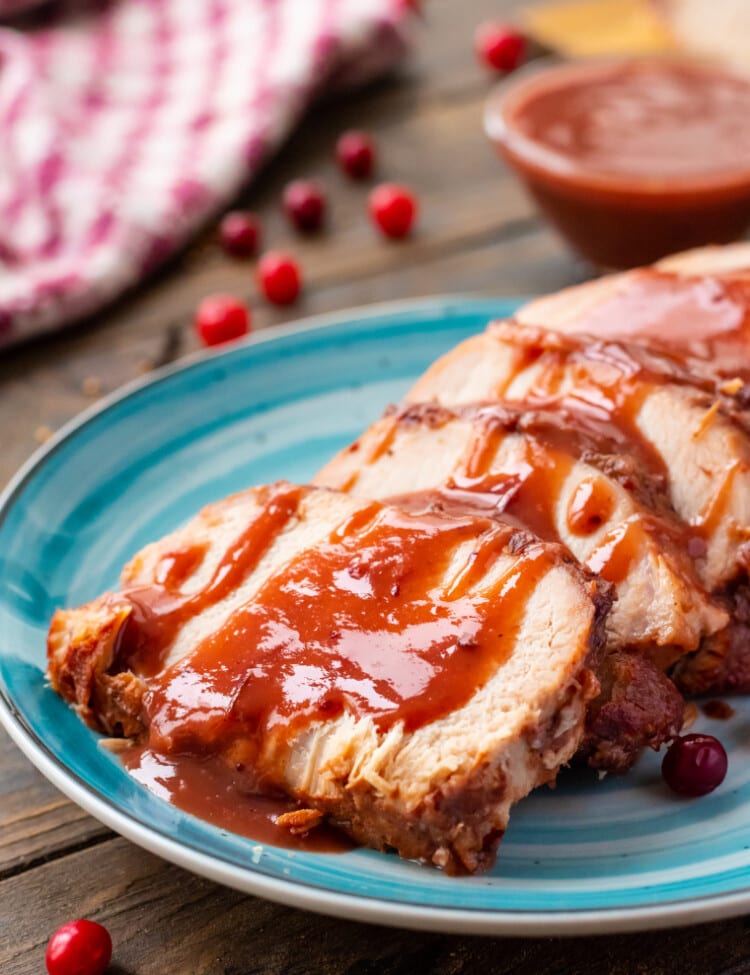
[630, 159]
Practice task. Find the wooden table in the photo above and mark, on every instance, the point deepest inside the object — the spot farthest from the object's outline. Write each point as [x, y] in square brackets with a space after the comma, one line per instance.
[477, 233]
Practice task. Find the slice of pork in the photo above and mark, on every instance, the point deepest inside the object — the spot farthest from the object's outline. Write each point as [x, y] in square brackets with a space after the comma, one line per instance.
[555, 475]
[703, 450]
[439, 787]
[695, 306]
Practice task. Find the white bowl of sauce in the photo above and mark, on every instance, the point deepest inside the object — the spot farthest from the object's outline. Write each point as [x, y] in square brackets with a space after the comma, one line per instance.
[630, 159]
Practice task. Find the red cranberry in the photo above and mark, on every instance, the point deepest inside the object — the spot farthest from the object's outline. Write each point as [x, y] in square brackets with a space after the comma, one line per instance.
[239, 234]
[694, 765]
[305, 204]
[279, 278]
[221, 318]
[499, 46]
[393, 209]
[79, 948]
[355, 152]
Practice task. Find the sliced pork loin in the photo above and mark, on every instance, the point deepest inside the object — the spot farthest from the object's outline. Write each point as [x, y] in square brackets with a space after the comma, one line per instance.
[725, 261]
[409, 675]
[650, 400]
[694, 305]
[556, 472]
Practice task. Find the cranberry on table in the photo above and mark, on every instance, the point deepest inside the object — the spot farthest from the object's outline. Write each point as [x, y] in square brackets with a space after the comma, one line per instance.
[305, 204]
[279, 278]
[221, 318]
[355, 152]
[499, 46]
[393, 209]
[79, 948]
[239, 233]
[694, 765]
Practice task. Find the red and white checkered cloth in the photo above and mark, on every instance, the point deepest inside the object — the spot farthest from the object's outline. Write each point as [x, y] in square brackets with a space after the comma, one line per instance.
[125, 124]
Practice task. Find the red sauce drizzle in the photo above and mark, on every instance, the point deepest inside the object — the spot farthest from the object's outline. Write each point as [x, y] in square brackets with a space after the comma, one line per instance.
[718, 710]
[603, 383]
[392, 617]
[524, 487]
[613, 557]
[703, 319]
[159, 612]
[590, 507]
[527, 491]
[709, 519]
[212, 790]
[175, 568]
[607, 383]
[363, 622]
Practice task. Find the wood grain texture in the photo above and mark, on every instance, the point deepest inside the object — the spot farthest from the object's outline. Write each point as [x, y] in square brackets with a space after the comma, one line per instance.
[478, 234]
[37, 823]
[164, 921]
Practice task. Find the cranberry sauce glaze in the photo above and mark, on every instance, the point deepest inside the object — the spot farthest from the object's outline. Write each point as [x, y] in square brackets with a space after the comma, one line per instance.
[631, 159]
[705, 320]
[223, 795]
[391, 617]
[608, 381]
[526, 486]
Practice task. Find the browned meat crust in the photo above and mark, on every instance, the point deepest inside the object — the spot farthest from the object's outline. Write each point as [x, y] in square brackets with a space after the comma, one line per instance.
[453, 830]
[638, 706]
[82, 666]
[722, 664]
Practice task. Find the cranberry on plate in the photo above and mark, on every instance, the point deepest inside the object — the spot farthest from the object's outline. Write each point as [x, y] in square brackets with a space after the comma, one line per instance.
[694, 765]
[355, 152]
[279, 278]
[221, 318]
[305, 204]
[393, 209]
[79, 948]
[499, 46]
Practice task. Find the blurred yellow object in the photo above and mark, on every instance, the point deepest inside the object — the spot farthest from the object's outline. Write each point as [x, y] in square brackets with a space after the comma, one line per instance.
[582, 28]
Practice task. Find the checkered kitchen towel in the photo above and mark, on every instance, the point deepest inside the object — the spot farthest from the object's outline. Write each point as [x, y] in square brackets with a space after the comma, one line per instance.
[124, 124]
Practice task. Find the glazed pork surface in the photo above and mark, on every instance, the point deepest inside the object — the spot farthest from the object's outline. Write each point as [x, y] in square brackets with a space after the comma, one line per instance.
[661, 356]
[559, 477]
[700, 444]
[694, 305]
[411, 676]
[418, 641]
[558, 474]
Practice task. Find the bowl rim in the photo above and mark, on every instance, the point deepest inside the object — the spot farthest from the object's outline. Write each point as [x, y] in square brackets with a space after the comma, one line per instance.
[531, 156]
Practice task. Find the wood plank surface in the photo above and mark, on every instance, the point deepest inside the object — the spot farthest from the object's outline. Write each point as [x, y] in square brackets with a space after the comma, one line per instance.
[167, 922]
[478, 233]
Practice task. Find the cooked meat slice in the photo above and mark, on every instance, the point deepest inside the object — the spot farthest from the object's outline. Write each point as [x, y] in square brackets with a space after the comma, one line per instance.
[695, 305]
[554, 472]
[723, 663]
[81, 653]
[410, 676]
[703, 450]
[637, 706]
[727, 260]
